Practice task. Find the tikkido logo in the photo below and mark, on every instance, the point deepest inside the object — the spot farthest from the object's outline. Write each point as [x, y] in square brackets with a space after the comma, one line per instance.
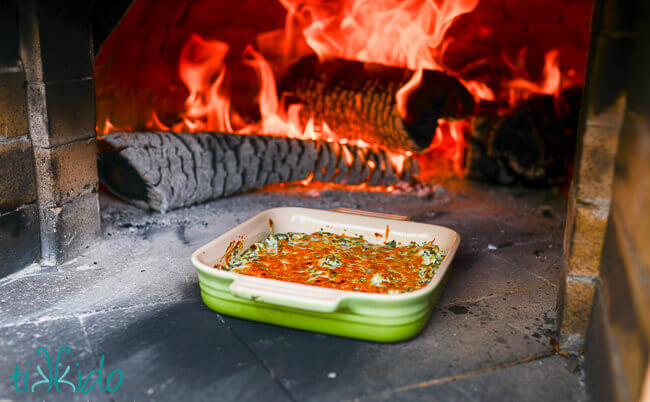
[59, 383]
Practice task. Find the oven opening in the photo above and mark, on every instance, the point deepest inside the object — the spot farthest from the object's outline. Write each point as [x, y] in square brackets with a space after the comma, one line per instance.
[146, 145]
[378, 96]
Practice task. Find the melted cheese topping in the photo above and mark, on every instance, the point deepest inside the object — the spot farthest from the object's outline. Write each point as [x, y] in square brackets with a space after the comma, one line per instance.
[340, 262]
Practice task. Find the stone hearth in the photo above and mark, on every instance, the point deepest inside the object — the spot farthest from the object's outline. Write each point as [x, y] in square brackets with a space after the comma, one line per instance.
[134, 298]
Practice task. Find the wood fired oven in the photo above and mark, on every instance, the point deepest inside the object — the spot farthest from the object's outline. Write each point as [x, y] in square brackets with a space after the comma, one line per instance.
[178, 103]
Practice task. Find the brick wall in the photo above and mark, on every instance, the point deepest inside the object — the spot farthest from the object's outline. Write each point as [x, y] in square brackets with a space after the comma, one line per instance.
[136, 69]
[48, 175]
[56, 50]
[19, 224]
[591, 189]
[607, 260]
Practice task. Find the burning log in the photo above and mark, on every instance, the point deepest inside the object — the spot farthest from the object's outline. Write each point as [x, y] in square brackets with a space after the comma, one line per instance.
[534, 144]
[359, 101]
[162, 171]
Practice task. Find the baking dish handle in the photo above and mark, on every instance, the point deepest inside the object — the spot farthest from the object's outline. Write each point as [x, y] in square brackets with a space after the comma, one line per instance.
[320, 300]
[371, 214]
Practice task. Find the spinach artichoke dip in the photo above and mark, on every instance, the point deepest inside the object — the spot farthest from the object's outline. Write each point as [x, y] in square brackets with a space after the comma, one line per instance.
[339, 262]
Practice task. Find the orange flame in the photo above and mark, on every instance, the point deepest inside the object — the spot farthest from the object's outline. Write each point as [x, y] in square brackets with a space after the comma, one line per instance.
[550, 85]
[403, 33]
[202, 69]
[479, 90]
[402, 95]
[108, 128]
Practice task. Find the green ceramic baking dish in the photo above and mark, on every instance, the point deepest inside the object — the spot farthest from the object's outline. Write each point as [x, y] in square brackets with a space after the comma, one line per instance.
[369, 316]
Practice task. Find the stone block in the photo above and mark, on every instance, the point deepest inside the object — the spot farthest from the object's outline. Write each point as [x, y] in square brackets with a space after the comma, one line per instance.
[576, 297]
[543, 259]
[37, 110]
[598, 365]
[607, 74]
[65, 34]
[583, 237]
[68, 229]
[8, 35]
[613, 16]
[486, 333]
[17, 180]
[594, 170]
[638, 101]
[19, 239]
[70, 111]
[626, 319]
[61, 113]
[632, 185]
[481, 275]
[19, 347]
[66, 172]
[13, 107]
[189, 360]
[547, 379]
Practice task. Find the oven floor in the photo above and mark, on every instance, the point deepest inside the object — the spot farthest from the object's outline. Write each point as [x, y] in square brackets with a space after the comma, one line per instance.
[133, 302]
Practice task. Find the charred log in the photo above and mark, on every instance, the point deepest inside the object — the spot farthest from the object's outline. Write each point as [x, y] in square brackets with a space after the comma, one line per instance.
[163, 171]
[358, 100]
[534, 144]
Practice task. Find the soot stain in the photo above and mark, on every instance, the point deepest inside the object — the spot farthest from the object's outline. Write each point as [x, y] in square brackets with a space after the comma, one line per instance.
[180, 233]
[459, 309]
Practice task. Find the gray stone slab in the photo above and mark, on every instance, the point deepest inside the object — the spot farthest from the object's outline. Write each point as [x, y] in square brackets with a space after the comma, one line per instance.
[124, 278]
[251, 331]
[152, 250]
[537, 224]
[542, 259]
[318, 367]
[20, 243]
[19, 346]
[172, 351]
[546, 379]
[138, 296]
[481, 274]
[486, 233]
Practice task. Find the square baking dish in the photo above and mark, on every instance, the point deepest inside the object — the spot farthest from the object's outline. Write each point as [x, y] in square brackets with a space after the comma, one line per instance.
[369, 316]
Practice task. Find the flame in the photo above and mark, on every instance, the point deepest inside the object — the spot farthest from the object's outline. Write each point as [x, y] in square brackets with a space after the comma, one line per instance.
[315, 187]
[479, 90]
[108, 127]
[404, 33]
[405, 91]
[156, 124]
[550, 83]
[449, 143]
[202, 69]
